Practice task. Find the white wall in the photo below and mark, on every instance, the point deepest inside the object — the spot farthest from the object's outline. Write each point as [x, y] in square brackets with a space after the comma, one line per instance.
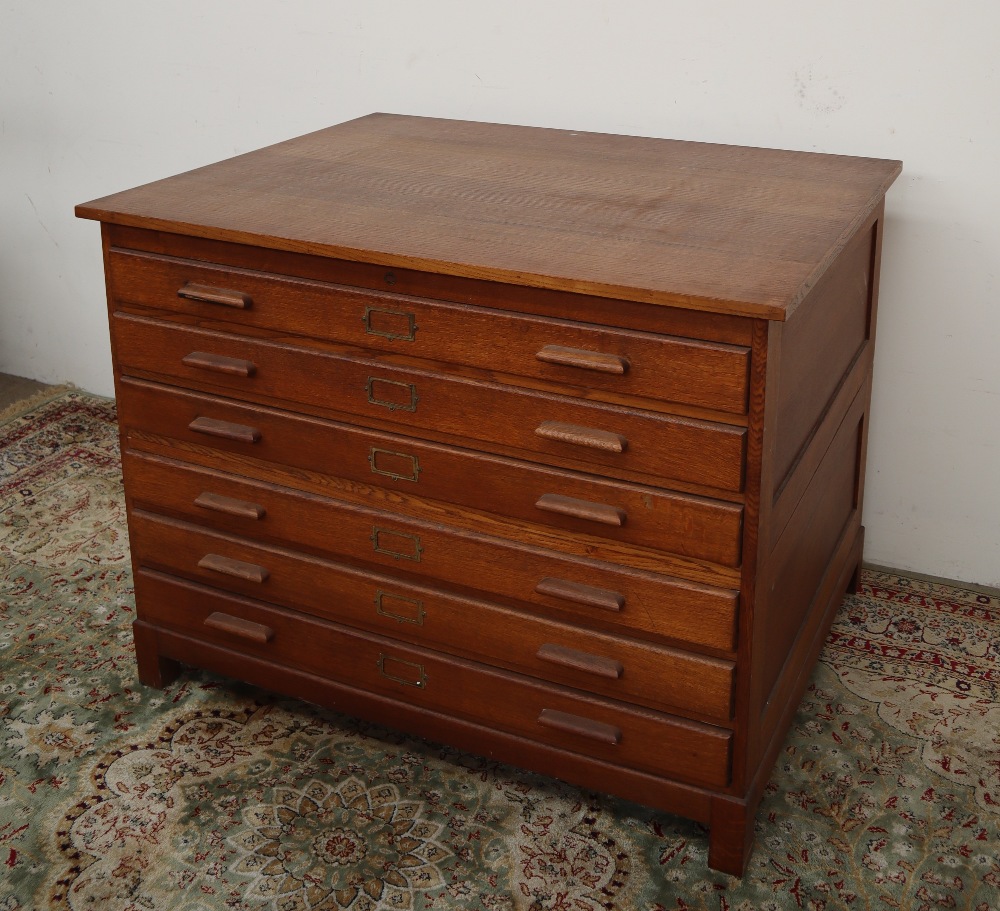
[99, 96]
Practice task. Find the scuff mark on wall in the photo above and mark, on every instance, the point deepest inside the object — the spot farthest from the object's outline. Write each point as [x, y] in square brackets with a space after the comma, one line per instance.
[817, 94]
[39, 219]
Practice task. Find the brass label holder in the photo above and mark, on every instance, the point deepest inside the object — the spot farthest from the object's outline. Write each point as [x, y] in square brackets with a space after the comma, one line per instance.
[406, 335]
[387, 664]
[415, 604]
[412, 475]
[392, 406]
[379, 535]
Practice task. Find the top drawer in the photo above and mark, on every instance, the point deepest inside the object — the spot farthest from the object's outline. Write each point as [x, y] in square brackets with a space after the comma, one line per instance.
[608, 363]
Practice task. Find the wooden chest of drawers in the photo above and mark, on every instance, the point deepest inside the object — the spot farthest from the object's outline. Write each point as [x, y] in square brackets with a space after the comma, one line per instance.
[548, 445]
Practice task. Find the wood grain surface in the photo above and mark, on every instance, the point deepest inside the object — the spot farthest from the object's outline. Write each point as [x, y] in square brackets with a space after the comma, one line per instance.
[713, 227]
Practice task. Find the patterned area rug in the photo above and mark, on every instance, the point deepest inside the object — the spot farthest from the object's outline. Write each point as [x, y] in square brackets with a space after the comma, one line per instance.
[213, 795]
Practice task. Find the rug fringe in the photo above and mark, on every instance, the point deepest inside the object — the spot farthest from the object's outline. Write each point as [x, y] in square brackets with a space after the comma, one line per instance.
[36, 400]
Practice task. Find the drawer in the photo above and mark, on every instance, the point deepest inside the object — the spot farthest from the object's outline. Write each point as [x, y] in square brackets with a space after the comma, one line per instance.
[690, 526]
[621, 668]
[545, 427]
[662, 744]
[602, 594]
[604, 361]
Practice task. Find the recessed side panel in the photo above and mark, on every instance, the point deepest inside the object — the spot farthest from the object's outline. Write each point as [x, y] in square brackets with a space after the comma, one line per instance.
[821, 342]
[826, 512]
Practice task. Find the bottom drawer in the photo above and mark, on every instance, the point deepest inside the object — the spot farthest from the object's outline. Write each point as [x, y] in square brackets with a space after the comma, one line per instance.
[648, 741]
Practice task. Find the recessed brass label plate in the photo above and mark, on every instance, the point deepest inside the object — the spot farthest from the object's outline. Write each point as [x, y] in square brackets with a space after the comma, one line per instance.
[396, 544]
[399, 608]
[392, 394]
[409, 673]
[396, 465]
[395, 325]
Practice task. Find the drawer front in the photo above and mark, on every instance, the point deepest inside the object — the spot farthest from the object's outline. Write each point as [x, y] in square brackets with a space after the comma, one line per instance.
[542, 426]
[602, 360]
[632, 737]
[694, 527]
[626, 669]
[600, 593]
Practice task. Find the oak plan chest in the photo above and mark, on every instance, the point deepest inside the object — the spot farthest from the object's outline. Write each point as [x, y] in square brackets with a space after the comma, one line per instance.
[548, 445]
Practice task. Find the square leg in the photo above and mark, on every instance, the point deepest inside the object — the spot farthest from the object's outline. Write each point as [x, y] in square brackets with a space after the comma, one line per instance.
[154, 670]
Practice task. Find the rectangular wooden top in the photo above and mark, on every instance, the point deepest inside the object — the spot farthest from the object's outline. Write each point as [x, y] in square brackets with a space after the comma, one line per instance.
[720, 228]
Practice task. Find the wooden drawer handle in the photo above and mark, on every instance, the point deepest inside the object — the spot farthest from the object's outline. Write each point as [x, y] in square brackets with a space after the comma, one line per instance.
[585, 360]
[580, 661]
[209, 295]
[581, 594]
[583, 727]
[582, 509]
[249, 572]
[239, 508]
[237, 626]
[241, 433]
[604, 440]
[218, 363]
